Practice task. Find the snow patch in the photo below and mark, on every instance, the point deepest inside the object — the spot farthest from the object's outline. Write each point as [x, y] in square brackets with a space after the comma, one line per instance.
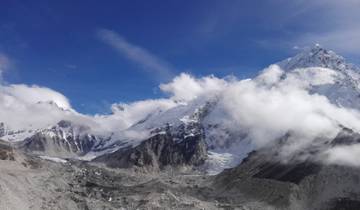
[53, 159]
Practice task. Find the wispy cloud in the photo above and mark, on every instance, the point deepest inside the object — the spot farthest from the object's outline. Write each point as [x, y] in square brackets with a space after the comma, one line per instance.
[71, 66]
[338, 25]
[331, 23]
[345, 41]
[4, 65]
[147, 60]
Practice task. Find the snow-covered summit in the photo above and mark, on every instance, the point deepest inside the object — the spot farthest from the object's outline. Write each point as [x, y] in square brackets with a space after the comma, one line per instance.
[343, 91]
[317, 56]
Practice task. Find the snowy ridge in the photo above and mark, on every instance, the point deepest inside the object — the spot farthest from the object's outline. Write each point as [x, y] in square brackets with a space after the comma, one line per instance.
[15, 135]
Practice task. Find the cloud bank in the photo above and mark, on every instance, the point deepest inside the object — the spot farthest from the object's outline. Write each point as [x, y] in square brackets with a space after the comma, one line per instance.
[274, 104]
[269, 107]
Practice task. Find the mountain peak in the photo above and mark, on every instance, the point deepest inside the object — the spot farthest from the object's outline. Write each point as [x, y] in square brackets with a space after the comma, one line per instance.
[317, 56]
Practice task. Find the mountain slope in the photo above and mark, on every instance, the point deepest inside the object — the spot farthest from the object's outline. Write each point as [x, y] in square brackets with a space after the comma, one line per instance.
[306, 184]
[63, 140]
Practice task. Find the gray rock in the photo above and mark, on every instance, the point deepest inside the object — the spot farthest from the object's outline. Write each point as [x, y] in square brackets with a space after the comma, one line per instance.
[158, 152]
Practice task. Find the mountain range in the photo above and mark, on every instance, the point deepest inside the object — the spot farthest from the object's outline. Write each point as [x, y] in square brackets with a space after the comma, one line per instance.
[285, 139]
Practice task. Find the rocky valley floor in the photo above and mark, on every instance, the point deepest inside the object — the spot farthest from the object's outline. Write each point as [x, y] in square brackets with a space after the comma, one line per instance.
[34, 183]
[30, 182]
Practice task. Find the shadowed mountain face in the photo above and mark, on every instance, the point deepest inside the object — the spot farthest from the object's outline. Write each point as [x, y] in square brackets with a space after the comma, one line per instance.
[297, 184]
[158, 152]
[293, 173]
[290, 186]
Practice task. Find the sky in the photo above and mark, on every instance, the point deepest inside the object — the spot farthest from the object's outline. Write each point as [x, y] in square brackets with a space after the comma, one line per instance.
[100, 53]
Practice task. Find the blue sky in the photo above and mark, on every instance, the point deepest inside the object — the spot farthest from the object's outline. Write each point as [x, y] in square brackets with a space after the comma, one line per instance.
[100, 52]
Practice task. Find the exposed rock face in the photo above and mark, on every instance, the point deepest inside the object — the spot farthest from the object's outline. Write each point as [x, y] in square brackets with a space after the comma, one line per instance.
[62, 147]
[346, 137]
[160, 151]
[175, 146]
[6, 151]
[2, 129]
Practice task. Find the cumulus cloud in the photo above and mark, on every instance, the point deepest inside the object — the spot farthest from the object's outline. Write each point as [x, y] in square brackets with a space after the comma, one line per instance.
[25, 94]
[343, 155]
[185, 87]
[147, 60]
[269, 107]
[23, 107]
[275, 104]
[272, 105]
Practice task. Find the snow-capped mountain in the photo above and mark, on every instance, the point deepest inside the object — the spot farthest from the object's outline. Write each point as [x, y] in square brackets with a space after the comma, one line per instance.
[14, 135]
[65, 139]
[193, 125]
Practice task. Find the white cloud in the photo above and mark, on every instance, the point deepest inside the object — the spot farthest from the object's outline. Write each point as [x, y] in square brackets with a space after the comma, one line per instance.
[269, 107]
[25, 94]
[148, 61]
[271, 75]
[23, 106]
[126, 114]
[343, 155]
[185, 87]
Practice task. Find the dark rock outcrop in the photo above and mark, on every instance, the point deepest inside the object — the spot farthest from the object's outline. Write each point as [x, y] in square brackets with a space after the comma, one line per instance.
[6, 151]
[290, 185]
[158, 152]
[169, 146]
[2, 129]
[346, 137]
